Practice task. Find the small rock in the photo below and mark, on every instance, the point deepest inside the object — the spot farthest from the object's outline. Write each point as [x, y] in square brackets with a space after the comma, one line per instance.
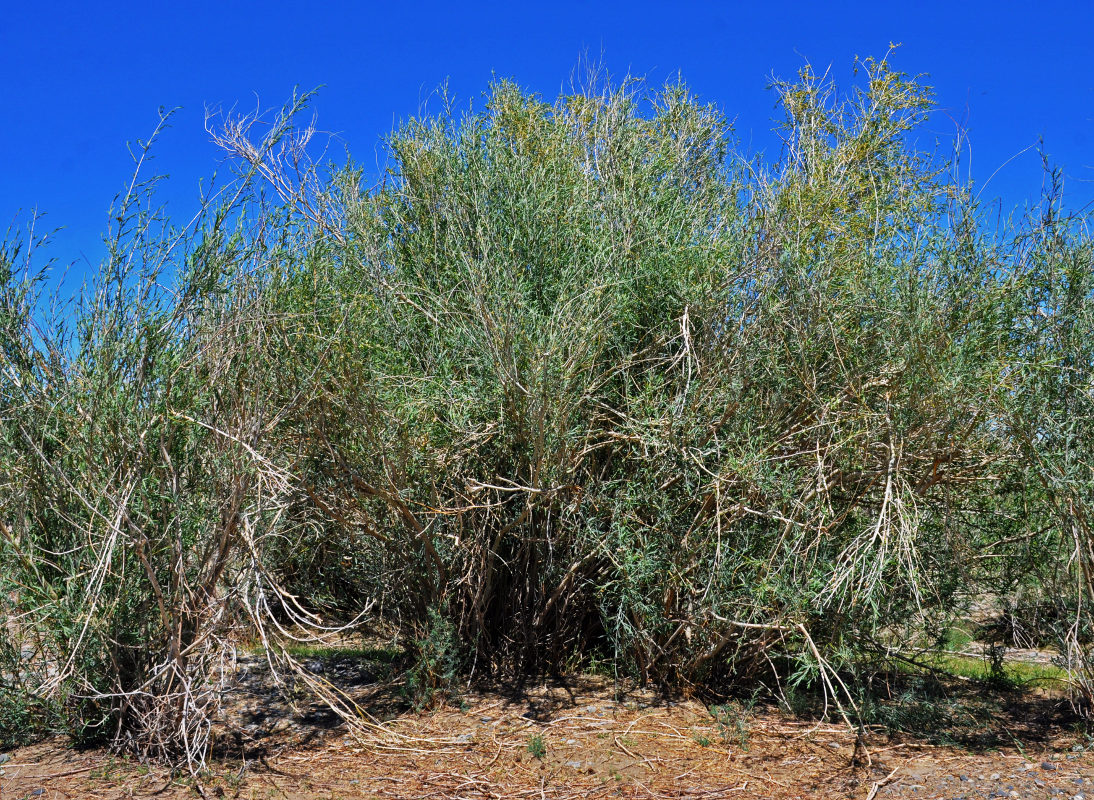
[38, 792]
[1078, 748]
[574, 764]
[1048, 766]
[994, 776]
[834, 745]
[465, 737]
[4, 758]
[571, 741]
[1041, 784]
[1015, 794]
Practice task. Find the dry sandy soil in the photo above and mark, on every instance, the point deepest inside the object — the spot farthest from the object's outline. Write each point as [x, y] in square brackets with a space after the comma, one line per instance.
[594, 744]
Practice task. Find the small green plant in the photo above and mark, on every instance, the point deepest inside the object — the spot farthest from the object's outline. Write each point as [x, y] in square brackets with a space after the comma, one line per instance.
[537, 745]
[702, 741]
[18, 718]
[107, 771]
[433, 674]
[797, 701]
[732, 719]
[997, 673]
[234, 778]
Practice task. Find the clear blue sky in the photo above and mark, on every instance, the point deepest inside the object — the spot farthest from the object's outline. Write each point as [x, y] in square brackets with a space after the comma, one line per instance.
[82, 79]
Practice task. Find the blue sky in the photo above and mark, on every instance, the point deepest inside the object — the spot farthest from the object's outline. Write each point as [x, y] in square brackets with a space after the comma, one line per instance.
[82, 79]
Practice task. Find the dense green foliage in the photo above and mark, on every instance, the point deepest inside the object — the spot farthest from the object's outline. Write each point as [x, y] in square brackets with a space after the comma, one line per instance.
[576, 386]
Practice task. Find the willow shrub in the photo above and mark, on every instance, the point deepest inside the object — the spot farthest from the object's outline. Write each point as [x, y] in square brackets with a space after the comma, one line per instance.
[631, 399]
[141, 496]
[575, 385]
[1051, 416]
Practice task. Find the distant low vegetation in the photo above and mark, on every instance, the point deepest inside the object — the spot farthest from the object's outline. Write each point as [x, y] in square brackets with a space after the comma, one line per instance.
[576, 386]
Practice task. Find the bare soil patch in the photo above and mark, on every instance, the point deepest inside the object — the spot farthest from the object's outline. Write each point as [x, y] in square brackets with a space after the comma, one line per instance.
[582, 739]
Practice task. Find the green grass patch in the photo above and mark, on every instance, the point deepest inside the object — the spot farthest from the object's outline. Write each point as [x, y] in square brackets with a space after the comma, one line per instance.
[959, 636]
[1019, 674]
[383, 655]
